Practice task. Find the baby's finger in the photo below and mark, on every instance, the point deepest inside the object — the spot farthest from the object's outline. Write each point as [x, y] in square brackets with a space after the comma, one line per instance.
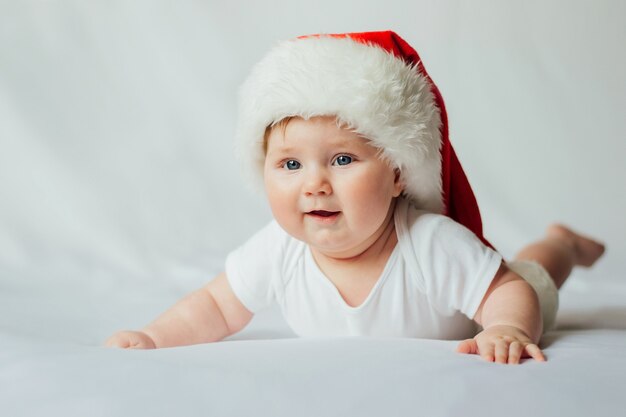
[486, 351]
[118, 343]
[515, 352]
[467, 346]
[502, 351]
[534, 352]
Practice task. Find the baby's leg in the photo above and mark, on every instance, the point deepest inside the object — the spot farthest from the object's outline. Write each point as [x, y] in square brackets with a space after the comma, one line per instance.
[560, 250]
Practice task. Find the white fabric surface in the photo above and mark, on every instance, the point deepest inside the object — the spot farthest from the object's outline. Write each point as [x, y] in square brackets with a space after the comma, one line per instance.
[118, 195]
[51, 363]
[432, 284]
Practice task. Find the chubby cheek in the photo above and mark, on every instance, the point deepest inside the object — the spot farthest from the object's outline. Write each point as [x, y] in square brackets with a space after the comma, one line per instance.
[284, 206]
[370, 197]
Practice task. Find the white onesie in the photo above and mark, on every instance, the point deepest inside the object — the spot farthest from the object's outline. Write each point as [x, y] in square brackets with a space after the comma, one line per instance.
[432, 283]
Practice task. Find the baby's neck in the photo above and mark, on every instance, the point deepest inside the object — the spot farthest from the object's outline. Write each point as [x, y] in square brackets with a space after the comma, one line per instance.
[355, 276]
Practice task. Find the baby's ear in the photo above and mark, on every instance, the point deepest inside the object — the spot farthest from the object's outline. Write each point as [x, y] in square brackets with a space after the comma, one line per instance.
[398, 183]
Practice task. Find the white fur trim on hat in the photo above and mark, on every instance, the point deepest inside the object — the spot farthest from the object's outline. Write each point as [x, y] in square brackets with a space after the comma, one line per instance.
[371, 91]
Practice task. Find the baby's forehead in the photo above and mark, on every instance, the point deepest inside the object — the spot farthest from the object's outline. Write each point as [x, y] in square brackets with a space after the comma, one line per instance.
[333, 141]
[319, 129]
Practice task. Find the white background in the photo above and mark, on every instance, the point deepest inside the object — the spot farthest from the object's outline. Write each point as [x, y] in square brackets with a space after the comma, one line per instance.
[117, 119]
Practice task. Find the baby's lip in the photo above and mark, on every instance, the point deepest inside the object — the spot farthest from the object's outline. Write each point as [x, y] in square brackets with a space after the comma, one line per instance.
[323, 213]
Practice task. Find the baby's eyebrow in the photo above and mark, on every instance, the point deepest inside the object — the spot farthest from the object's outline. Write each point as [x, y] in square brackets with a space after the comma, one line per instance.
[339, 142]
[343, 142]
[361, 145]
[281, 150]
[347, 142]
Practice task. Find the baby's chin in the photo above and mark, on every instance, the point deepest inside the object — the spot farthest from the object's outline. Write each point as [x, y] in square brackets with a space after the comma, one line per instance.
[329, 240]
[336, 250]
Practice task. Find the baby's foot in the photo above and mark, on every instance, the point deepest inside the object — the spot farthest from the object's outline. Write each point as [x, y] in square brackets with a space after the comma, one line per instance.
[586, 250]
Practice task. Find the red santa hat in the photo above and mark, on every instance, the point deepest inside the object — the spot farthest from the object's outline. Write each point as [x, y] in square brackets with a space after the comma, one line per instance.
[376, 84]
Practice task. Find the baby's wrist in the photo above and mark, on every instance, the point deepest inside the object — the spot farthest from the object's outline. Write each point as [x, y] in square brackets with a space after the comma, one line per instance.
[511, 329]
[150, 337]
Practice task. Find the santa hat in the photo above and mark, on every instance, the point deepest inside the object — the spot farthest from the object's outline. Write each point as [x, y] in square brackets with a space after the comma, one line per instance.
[375, 84]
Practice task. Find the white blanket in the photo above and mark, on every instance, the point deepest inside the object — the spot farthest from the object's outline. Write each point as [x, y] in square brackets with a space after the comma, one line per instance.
[52, 363]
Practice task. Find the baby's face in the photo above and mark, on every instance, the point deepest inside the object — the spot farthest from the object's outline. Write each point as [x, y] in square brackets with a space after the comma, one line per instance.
[328, 187]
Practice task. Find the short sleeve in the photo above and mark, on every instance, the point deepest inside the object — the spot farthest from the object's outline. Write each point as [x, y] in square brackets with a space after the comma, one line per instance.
[253, 268]
[455, 269]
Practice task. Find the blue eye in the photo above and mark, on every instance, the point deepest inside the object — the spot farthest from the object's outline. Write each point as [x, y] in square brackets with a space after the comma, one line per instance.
[291, 165]
[343, 160]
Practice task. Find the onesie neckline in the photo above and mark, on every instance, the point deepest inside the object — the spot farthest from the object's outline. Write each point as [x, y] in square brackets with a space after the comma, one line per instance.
[321, 276]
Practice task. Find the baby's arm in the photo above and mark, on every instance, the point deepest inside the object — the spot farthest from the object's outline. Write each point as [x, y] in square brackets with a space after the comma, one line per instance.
[511, 319]
[206, 315]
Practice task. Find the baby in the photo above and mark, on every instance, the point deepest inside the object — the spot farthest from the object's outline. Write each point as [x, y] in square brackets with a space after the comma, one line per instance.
[376, 231]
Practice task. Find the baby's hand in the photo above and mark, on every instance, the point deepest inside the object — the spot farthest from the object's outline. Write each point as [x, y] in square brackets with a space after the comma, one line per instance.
[505, 344]
[130, 340]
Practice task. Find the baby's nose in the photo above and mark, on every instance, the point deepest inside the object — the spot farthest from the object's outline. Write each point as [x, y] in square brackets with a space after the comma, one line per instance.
[317, 183]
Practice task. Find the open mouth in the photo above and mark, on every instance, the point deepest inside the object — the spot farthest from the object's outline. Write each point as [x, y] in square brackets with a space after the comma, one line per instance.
[323, 216]
[323, 213]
